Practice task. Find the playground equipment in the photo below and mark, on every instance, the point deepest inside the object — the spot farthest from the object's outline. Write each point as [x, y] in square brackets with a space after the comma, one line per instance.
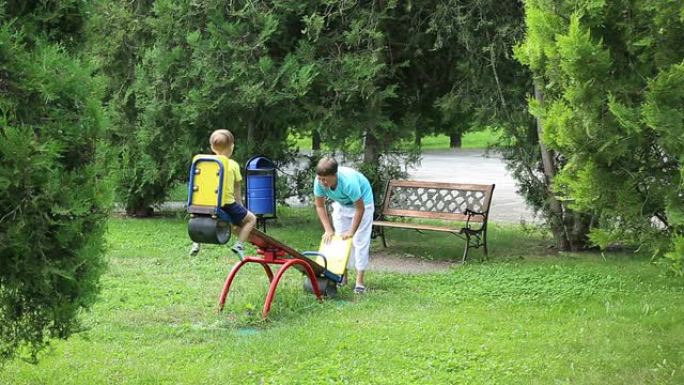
[323, 269]
[208, 222]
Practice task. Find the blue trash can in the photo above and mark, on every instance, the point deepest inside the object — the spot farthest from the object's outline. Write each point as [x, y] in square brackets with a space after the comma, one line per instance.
[260, 196]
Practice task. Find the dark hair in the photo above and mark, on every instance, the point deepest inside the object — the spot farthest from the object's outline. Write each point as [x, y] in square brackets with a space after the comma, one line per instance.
[326, 166]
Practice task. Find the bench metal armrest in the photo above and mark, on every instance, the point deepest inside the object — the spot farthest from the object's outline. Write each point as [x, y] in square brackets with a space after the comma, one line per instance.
[471, 213]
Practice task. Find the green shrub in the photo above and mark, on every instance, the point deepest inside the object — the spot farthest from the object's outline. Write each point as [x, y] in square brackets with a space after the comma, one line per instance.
[54, 196]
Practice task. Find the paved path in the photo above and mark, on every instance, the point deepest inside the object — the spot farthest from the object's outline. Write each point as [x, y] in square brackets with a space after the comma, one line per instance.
[472, 166]
[383, 260]
[462, 166]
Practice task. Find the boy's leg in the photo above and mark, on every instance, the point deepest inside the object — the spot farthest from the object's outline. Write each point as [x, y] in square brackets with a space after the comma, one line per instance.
[246, 227]
[195, 249]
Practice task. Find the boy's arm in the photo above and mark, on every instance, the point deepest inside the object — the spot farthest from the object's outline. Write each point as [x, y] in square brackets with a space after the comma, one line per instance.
[238, 193]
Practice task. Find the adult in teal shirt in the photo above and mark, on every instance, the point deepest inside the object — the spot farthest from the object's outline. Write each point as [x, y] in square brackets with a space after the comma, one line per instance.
[352, 210]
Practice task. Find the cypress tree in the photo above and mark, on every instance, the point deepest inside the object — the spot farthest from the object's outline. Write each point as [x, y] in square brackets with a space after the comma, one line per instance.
[53, 192]
[612, 79]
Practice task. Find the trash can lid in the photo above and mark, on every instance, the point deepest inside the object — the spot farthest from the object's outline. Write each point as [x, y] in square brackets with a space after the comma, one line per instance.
[259, 163]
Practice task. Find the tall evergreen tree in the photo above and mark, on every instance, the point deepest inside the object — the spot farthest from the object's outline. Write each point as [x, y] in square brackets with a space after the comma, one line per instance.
[53, 193]
[611, 74]
[119, 56]
[182, 69]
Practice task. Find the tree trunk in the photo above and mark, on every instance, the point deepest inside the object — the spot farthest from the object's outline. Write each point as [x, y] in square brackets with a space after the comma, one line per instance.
[418, 138]
[455, 140]
[370, 148]
[315, 141]
[577, 237]
[140, 210]
[555, 208]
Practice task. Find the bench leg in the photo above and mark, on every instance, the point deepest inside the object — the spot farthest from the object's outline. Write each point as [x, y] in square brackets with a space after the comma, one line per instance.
[382, 235]
[467, 245]
[484, 243]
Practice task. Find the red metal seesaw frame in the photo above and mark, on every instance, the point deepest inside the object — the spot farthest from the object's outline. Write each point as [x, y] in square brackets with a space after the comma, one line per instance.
[270, 256]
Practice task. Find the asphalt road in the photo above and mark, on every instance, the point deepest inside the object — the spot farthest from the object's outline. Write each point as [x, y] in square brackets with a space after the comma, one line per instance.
[472, 166]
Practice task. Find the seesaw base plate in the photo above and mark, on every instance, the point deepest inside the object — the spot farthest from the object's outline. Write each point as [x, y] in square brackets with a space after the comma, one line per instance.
[327, 287]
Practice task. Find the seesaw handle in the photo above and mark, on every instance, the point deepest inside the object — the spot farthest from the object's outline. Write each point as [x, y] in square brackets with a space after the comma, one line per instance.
[316, 253]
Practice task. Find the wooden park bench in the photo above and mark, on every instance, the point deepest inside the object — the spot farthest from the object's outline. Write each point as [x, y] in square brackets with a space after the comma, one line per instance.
[464, 208]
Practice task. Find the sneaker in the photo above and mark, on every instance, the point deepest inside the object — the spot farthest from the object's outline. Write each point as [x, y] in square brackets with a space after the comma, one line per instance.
[239, 250]
[359, 289]
[195, 249]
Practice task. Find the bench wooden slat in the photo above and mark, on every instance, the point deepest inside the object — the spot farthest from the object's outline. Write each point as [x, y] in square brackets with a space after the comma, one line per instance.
[431, 215]
[404, 225]
[441, 185]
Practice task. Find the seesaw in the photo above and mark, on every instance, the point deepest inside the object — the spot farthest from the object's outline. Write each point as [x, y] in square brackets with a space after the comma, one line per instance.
[208, 223]
[323, 269]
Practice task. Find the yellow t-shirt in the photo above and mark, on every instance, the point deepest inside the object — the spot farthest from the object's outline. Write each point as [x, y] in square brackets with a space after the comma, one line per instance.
[231, 176]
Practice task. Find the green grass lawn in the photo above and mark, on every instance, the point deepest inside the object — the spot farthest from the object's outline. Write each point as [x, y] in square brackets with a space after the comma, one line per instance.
[474, 139]
[526, 316]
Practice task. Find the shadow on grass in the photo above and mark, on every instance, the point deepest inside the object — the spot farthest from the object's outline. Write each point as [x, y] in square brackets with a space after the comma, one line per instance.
[505, 242]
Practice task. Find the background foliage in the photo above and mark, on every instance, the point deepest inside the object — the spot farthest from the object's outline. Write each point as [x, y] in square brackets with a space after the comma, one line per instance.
[347, 73]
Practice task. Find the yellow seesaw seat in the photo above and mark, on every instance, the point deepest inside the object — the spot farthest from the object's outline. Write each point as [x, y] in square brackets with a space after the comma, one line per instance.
[209, 176]
[336, 253]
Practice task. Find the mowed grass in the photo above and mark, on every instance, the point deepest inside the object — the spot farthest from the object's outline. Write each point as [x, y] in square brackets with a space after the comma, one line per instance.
[474, 139]
[526, 316]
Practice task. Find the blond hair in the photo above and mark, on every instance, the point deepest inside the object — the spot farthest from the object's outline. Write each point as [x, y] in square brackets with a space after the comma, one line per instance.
[221, 139]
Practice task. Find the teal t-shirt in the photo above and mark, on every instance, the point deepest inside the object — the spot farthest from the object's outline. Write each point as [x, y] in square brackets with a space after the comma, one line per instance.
[351, 186]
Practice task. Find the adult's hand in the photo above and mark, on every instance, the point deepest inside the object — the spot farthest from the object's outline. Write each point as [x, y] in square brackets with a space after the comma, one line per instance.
[347, 235]
[327, 236]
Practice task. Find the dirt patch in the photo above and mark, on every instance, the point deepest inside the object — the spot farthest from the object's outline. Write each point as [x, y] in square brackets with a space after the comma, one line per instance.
[406, 264]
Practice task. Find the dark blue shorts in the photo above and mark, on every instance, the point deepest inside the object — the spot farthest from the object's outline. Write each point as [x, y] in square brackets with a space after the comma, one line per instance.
[236, 212]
